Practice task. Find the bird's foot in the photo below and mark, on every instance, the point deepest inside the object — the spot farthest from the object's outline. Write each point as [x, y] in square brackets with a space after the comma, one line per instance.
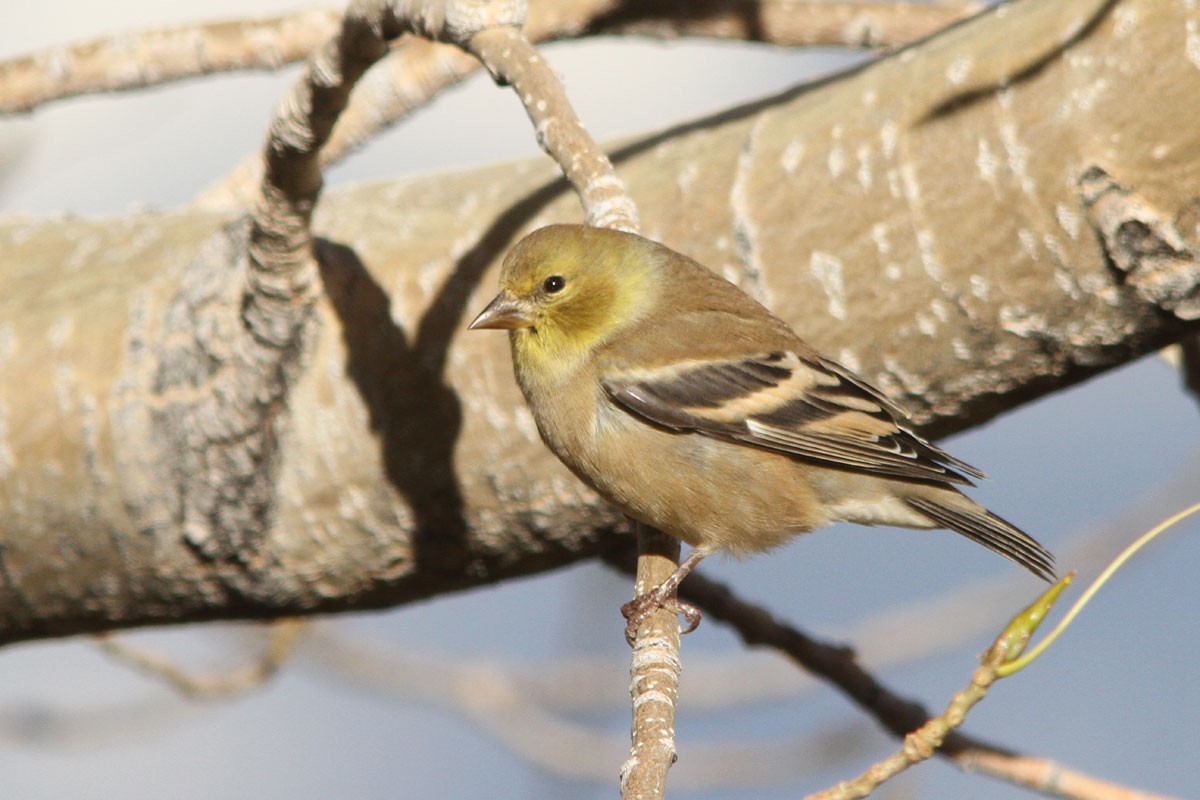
[638, 610]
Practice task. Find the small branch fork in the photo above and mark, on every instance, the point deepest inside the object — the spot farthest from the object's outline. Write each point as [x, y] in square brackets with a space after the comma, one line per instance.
[283, 269]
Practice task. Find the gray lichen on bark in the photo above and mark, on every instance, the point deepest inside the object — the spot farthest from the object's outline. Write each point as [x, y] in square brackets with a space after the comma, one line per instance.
[203, 396]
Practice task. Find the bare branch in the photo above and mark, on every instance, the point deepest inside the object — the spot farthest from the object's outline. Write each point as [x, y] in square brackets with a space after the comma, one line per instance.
[511, 59]
[654, 676]
[160, 55]
[404, 437]
[415, 72]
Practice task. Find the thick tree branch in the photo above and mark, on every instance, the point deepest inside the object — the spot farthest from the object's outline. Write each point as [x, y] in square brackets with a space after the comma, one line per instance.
[214, 397]
[951, 259]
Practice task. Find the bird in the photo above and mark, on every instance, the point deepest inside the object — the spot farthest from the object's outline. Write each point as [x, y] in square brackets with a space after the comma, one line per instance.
[692, 408]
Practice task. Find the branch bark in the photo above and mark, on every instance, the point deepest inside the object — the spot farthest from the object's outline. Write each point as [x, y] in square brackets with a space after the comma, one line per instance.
[157, 56]
[927, 219]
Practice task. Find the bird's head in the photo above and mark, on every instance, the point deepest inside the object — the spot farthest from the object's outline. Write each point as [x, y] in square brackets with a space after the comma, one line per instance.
[566, 288]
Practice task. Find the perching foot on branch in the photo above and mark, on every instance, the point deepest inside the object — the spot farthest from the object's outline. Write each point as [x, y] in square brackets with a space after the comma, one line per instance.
[663, 596]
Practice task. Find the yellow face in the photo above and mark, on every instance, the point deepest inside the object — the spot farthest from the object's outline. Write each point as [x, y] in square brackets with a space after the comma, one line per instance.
[566, 288]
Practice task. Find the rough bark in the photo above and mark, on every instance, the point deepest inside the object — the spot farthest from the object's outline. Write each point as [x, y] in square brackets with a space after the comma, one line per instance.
[998, 212]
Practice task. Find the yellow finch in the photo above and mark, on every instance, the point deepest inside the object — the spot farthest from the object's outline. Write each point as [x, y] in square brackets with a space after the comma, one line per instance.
[692, 408]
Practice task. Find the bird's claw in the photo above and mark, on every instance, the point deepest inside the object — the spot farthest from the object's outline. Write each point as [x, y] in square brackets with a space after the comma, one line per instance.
[639, 609]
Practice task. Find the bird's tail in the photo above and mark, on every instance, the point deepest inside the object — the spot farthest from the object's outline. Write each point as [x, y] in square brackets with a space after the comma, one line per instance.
[997, 534]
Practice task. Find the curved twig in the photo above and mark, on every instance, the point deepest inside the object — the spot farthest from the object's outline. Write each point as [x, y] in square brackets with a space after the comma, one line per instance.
[512, 59]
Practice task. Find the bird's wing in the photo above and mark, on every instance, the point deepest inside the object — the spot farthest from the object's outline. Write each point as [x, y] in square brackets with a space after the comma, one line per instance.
[800, 405]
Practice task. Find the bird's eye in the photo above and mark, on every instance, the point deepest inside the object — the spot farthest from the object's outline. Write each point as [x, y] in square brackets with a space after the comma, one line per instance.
[554, 284]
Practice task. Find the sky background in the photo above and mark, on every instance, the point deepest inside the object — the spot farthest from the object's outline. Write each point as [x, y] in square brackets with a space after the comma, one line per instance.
[1097, 464]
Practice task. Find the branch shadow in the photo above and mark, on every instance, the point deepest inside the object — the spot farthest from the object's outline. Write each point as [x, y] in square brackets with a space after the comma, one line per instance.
[413, 409]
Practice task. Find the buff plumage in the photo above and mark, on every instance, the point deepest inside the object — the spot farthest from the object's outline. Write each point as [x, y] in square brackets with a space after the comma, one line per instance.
[692, 408]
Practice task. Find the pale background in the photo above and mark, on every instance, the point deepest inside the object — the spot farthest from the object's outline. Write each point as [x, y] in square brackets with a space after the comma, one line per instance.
[1116, 697]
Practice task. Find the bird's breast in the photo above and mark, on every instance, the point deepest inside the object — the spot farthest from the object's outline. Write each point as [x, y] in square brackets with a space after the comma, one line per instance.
[712, 494]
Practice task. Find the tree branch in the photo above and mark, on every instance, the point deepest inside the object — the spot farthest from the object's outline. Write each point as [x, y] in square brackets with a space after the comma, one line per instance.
[511, 59]
[654, 675]
[952, 260]
[158, 56]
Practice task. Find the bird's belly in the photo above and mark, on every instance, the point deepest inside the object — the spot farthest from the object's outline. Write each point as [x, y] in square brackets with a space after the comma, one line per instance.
[714, 495]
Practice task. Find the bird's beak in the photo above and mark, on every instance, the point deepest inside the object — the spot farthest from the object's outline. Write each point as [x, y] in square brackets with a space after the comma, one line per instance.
[506, 312]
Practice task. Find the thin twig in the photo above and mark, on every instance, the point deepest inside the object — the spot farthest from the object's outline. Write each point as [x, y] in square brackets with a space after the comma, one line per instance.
[512, 59]
[654, 676]
[922, 743]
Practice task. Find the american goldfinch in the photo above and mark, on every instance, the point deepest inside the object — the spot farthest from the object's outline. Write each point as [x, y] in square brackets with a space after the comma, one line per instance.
[692, 408]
